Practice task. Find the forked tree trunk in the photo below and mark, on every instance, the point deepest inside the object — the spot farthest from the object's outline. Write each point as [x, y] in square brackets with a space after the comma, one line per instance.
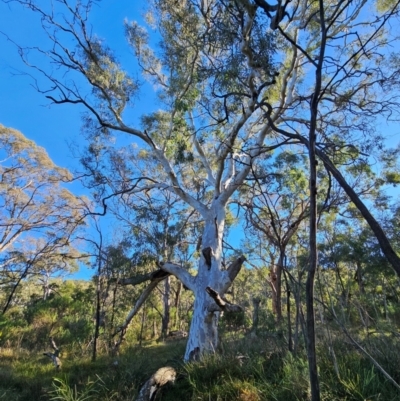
[54, 356]
[208, 286]
[203, 333]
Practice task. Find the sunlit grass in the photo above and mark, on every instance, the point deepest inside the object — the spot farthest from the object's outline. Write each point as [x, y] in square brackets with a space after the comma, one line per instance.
[247, 370]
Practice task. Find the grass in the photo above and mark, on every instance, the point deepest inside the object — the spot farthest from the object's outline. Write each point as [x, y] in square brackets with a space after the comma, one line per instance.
[247, 371]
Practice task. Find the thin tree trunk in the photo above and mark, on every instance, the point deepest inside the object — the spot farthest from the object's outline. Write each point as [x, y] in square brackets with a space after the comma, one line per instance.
[154, 334]
[311, 351]
[288, 311]
[359, 278]
[98, 312]
[385, 300]
[140, 301]
[380, 235]
[113, 303]
[142, 326]
[278, 286]
[14, 288]
[166, 304]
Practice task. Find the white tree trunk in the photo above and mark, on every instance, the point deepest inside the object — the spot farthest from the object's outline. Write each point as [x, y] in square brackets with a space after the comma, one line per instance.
[203, 334]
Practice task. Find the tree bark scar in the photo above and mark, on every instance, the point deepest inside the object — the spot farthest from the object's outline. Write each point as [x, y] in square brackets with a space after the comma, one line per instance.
[216, 229]
[207, 253]
[194, 355]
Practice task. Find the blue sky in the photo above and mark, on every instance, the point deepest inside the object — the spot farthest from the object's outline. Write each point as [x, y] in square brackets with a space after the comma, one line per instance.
[23, 108]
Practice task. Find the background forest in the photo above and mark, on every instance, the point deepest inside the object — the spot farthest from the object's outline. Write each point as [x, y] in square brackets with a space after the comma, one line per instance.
[243, 230]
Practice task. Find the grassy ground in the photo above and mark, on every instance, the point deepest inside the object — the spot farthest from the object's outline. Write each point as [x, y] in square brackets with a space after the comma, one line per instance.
[248, 370]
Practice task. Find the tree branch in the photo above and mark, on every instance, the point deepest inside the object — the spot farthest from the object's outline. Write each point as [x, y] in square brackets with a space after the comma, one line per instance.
[222, 303]
[180, 273]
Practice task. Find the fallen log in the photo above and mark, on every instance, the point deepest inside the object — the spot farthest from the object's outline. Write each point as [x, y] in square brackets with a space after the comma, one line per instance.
[159, 379]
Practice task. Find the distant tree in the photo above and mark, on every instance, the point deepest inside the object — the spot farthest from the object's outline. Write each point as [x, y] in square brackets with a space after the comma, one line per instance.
[39, 216]
[276, 203]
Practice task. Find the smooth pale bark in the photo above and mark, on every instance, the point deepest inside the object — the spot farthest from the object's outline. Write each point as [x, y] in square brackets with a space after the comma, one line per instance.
[203, 333]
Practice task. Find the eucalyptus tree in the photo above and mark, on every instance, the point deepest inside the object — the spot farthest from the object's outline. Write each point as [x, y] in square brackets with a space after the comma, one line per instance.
[39, 216]
[211, 67]
[276, 204]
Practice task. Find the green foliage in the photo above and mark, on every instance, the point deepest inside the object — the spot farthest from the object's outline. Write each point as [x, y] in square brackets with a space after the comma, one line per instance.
[392, 177]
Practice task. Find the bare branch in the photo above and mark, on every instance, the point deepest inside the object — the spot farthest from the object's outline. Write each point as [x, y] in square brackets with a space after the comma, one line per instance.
[180, 273]
[223, 304]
